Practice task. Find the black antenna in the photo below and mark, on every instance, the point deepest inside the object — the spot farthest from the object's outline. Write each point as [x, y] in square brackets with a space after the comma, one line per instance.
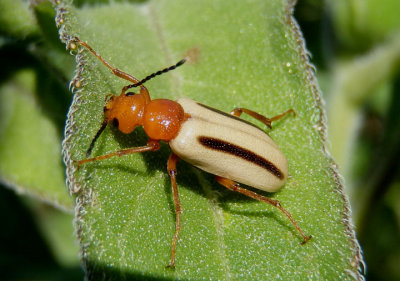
[179, 63]
[103, 126]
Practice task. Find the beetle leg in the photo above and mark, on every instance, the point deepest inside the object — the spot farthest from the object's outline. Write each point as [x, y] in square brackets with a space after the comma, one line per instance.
[267, 121]
[231, 185]
[152, 145]
[171, 167]
[114, 70]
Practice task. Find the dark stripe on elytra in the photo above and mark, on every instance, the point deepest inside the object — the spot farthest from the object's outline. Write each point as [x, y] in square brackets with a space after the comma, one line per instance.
[230, 116]
[221, 145]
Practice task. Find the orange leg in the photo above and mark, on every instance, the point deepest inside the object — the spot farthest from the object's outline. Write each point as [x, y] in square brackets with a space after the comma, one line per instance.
[231, 185]
[267, 121]
[114, 70]
[171, 167]
[152, 145]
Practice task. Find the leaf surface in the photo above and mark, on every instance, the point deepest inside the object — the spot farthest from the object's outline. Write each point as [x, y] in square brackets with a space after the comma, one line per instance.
[250, 54]
[30, 145]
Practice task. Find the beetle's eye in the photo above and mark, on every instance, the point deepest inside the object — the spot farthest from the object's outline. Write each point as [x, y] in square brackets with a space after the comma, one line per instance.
[115, 122]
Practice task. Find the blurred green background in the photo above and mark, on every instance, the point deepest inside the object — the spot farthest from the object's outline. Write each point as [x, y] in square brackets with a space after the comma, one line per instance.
[355, 46]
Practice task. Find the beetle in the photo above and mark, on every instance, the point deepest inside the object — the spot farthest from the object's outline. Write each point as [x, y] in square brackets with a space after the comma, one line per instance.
[233, 150]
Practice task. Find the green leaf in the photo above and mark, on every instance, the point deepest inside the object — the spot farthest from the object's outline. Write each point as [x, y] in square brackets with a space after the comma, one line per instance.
[56, 228]
[354, 81]
[30, 144]
[16, 20]
[360, 23]
[33, 103]
[250, 55]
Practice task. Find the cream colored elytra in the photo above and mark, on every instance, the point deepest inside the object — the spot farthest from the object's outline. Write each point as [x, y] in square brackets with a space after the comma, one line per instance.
[237, 150]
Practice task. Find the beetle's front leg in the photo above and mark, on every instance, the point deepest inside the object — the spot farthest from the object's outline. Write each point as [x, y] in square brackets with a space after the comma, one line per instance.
[231, 185]
[171, 167]
[267, 121]
[152, 145]
[114, 70]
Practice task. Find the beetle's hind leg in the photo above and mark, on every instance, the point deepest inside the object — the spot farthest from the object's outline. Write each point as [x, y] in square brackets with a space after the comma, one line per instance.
[172, 171]
[267, 121]
[231, 185]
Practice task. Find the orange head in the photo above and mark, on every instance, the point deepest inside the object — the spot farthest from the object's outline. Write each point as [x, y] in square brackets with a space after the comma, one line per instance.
[161, 118]
[125, 111]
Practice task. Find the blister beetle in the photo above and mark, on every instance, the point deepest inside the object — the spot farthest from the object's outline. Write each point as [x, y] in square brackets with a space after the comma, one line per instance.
[219, 143]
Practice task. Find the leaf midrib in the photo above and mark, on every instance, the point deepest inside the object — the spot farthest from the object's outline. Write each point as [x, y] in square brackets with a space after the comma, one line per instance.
[210, 195]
